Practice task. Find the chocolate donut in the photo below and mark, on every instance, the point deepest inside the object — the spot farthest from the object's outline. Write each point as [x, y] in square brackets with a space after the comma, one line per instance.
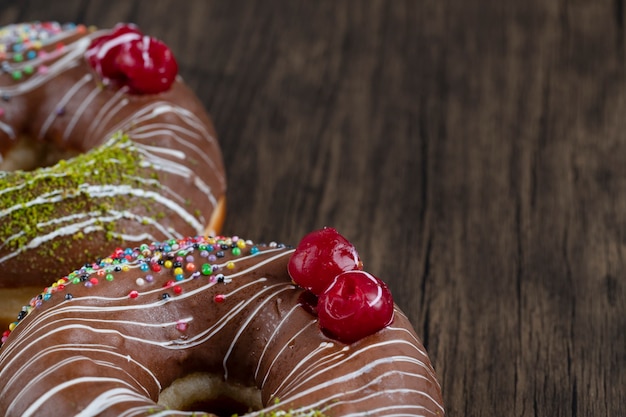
[162, 328]
[143, 162]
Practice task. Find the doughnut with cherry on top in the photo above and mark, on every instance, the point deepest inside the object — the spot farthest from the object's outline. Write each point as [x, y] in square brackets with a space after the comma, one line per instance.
[217, 325]
[101, 145]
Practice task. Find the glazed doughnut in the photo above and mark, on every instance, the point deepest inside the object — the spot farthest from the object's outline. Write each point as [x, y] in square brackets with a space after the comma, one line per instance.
[142, 162]
[211, 324]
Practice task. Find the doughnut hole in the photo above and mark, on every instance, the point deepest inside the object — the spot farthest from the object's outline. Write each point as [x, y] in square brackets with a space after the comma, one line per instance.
[209, 393]
[29, 154]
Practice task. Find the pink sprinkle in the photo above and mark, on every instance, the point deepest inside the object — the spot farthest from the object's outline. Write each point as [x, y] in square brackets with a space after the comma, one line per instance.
[182, 326]
[43, 69]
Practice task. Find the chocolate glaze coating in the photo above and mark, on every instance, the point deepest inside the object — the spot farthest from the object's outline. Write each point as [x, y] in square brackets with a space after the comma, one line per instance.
[110, 346]
[168, 186]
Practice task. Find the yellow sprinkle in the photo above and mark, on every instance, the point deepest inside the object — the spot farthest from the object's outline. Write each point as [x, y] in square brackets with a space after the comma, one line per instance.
[178, 271]
[241, 244]
[167, 264]
[125, 268]
[12, 326]
[230, 265]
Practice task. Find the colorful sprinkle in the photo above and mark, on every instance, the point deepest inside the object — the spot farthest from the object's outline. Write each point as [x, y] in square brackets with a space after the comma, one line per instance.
[177, 255]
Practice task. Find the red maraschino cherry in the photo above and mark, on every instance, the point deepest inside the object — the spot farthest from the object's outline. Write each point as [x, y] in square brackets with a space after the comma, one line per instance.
[148, 65]
[320, 257]
[355, 305]
[127, 57]
[103, 50]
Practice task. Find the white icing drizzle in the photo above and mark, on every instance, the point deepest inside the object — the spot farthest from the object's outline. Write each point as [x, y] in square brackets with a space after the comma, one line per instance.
[83, 383]
[62, 103]
[383, 378]
[9, 131]
[79, 112]
[69, 58]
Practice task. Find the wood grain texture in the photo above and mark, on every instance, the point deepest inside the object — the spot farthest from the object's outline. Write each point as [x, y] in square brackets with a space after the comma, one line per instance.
[473, 151]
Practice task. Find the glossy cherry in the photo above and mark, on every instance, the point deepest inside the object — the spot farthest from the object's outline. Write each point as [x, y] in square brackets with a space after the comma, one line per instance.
[127, 57]
[355, 305]
[148, 65]
[320, 257]
[103, 50]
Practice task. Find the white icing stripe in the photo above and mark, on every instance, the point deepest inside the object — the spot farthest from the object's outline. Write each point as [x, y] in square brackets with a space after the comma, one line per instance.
[111, 114]
[8, 130]
[244, 325]
[110, 398]
[162, 188]
[116, 99]
[304, 378]
[79, 112]
[62, 103]
[142, 237]
[91, 225]
[167, 165]
[190, 118]
[285, 348]
[46, 396]
[100, 350]
[169, 130]
[94, 192]
[336, 399]
[157, 149]
[70, 56]
[72, 362]
[100, 219]
[366, 397]
[274, 334]
[345, 377]
[111, 43]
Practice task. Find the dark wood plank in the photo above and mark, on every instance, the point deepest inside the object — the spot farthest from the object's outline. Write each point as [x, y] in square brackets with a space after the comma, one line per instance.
[473, 151]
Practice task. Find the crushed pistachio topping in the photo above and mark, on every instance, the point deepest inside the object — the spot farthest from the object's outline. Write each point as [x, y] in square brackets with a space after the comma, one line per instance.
[29, 199]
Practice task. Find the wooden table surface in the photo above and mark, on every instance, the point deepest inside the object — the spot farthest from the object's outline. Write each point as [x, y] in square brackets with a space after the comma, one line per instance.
[474, 151]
